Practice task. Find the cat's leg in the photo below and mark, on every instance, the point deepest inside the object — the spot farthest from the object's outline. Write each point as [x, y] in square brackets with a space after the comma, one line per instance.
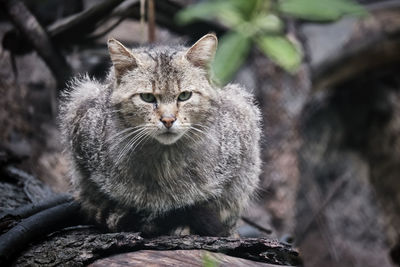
[109, 214]
[212, 219]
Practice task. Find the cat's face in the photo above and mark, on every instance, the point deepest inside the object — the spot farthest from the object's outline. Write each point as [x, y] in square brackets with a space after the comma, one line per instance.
[163, 93]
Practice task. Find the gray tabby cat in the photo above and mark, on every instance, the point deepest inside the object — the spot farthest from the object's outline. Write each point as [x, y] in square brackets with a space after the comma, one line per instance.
[158, 147]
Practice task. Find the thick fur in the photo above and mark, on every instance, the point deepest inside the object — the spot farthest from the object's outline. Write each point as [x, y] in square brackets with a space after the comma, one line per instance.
[152, 184]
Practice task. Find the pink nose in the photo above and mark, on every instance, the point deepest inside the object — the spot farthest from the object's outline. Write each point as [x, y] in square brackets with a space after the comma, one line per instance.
[168, 121]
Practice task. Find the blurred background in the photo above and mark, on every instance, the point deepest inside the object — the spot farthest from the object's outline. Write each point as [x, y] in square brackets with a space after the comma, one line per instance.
[326, 74]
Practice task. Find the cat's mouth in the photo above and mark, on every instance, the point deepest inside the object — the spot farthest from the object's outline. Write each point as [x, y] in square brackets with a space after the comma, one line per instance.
[168, 137]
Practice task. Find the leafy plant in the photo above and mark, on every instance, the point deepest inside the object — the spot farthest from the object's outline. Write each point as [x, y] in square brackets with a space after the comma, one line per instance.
[260, 22]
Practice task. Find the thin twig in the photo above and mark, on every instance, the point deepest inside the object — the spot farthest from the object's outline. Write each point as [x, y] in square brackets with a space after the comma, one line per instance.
[257, 226]
[151, 18]
[317, 212]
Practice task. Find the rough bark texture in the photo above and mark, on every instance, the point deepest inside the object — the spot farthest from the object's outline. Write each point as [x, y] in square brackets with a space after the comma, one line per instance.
[12, 217]
[193, 258]
[37, 226]
[83, 246]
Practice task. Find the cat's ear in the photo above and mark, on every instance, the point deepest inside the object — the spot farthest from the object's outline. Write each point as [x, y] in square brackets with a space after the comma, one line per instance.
[123, 60]
[202, 52]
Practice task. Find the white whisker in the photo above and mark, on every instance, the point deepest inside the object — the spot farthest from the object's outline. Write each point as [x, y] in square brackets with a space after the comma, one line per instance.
[130, 143]
[197, 132]
[122, 132]
[200, 131]
[201, 125]
[190, 137]
[145, 139]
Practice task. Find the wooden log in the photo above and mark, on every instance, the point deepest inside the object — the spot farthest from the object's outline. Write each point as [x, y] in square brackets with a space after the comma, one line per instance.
[197, 258]
[10, 218]
[83, 246]
[37, 226]
[79, 247]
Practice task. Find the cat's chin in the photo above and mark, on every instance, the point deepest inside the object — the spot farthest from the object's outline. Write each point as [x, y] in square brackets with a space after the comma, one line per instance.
[168, 138]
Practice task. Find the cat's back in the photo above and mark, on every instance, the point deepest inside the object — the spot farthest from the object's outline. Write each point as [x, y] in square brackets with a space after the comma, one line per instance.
[82, 118]
[82, 96]
[239, 111]
[238, 131]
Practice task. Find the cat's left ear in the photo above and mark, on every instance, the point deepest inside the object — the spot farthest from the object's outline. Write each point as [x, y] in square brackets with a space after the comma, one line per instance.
[122, 59]
[202, 52]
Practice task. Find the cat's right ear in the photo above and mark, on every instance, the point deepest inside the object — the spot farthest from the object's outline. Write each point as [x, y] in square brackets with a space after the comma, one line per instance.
[123, 60]
[202, 52]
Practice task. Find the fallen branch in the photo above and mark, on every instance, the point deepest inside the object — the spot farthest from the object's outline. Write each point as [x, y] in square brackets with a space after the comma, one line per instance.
[84, 246]
[38, 226]
[78, 28]
[257, 226]
[75, 27]
[10, 218]
[194, 257]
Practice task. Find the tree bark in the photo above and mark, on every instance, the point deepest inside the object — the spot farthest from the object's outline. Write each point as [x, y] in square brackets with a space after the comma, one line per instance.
[197, 258]
[79, 247]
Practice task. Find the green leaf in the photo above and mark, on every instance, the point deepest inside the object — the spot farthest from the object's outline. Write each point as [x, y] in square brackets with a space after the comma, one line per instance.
[204, 10]
[209, 261]
[231, 12]
[232, 51]
[268, 23]
[246, 8]
[230, 18]
[320, 10]
[280, 50]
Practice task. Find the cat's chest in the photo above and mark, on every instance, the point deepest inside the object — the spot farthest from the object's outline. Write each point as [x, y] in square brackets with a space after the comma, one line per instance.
[170, 167]
[160, 178]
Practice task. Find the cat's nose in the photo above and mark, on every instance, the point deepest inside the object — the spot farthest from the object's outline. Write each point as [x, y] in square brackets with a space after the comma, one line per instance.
[168, 121]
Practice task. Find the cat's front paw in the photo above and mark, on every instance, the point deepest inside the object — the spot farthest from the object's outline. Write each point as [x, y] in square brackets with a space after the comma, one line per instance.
[112, 217]
[116, 220]
[124, 220]
[181, 231]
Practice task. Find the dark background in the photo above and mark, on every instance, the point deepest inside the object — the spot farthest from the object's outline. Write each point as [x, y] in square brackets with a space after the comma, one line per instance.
[331, 146]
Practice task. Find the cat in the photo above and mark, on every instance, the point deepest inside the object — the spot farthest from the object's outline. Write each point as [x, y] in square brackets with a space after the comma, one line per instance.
[157, 147]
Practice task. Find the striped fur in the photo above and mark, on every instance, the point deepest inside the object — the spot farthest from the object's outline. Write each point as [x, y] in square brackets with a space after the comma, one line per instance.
[132, 173]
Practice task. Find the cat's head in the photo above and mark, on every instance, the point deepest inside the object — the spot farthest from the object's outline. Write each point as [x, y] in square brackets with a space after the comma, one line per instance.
[163, 92]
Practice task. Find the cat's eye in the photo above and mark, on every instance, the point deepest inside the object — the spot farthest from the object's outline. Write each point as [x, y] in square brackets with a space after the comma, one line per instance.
[149, 98]
[184, 96]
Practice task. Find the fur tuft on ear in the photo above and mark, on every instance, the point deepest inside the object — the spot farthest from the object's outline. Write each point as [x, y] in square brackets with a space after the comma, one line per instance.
[203, 51]
[122, 59]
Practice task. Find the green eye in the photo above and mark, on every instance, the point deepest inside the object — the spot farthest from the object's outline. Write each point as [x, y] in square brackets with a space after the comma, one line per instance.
[184, 96]
[149, 98]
